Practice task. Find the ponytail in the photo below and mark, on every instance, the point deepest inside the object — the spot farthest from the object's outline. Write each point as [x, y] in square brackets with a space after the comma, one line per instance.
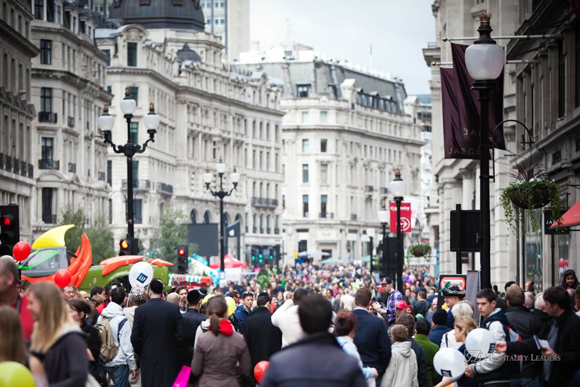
[217, 309]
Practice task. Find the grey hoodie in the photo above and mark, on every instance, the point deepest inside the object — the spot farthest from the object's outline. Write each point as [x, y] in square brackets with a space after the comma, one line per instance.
[125, 356]
[402, 369]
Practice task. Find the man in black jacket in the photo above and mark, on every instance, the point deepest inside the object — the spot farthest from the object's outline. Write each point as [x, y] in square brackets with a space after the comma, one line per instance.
[408, 321]
[191, 320]
[316, 359]
[526, 325]
[157, 334]
[262, 337]
[563, 341]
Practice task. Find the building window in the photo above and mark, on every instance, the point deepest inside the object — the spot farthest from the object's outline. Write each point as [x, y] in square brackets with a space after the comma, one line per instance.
[561, 80]
[323, 117]
[135, 173]
[304, 117]
[46, 148]
[45, 51]
[108, 54]
[254, 129]
[134, 132]
[58, 14]
[254, 159]
[283, 201]
[305, 173]
[110, 172]
[137, 210]
[304, 146]
[267, 161]
[323, 145]
[132, 54]
[38, 9]
[267, 131]
[323, 173]
[276, 163]
[134, 94]
[302, 91]
[47, 213]
[261, 159]
[323, 202]
[46, 99]
[305, 206]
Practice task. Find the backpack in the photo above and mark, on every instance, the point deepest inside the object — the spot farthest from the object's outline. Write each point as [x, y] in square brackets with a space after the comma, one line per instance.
[108, 348]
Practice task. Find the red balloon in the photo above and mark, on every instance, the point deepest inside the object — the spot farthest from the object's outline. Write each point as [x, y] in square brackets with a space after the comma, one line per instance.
[62, 278]
[21, 251]
[260, 369]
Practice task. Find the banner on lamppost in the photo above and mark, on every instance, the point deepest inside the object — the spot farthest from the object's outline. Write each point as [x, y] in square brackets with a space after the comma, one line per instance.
[405, 217]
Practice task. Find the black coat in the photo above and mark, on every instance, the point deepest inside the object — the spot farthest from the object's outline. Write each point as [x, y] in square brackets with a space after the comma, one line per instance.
[526, 325]
[372, 341]
[157, 334]
[421, 361]
[420, 307]
[567, 349]
[316, 360]
[191, 320]
[262, 337]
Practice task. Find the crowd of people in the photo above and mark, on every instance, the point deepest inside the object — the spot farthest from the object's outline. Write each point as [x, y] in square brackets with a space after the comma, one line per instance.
[316, 326]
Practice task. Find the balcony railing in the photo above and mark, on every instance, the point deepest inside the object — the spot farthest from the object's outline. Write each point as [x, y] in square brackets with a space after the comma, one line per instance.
[165, 188]
[384, 191]
[72, 167]
[276, 231]
[326, 215]
[352, 216]
[15, 165]
[144, 185]
[255, 230]
[23, 168]
[102, 176]
[48, 164]
[264, 202]
[261, 230]
[70, 122]
[268, 230]
[47, 117]
[8, 163]
[369, 188]
[30, 171]
[49, 218]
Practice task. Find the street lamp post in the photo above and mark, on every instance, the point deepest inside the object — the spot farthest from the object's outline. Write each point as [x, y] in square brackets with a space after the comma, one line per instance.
[484, 61]
[130, 149]
[221, 194]
[398, 187]
[384, 219]
[371, 235]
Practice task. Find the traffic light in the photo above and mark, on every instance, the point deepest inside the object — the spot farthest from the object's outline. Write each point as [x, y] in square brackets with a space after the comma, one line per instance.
[129, 246]
[9, 228]
[254, 254]
[260, 255]
[182, 259]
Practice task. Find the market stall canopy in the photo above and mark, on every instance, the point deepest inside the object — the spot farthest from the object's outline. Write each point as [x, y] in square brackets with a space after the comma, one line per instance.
[570, 217]
[229, 262]
[306, 254]
[332, 261]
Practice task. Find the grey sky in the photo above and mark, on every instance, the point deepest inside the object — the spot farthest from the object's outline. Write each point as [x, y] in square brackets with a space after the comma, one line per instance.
[397, 30]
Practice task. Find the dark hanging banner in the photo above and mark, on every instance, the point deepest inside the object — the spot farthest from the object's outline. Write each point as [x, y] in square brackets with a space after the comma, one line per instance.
[461, 110]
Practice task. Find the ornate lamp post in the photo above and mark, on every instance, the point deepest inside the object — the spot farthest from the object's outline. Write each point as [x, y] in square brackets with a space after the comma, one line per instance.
[221, 194]
[484, 61]
[371, 235]
[398, 187]
[383, 216]
[106, 123]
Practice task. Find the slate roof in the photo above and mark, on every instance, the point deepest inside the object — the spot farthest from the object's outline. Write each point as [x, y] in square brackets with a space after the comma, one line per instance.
[176, 14]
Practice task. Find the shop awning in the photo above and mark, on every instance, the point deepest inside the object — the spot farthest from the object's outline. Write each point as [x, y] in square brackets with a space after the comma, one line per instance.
[570, 217]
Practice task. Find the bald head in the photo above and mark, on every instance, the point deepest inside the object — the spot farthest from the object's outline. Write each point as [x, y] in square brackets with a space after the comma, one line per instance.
[529, 300]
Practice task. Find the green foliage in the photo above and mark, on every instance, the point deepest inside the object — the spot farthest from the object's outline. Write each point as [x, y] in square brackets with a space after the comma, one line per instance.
[425, 247]
[170, 232]
[513, 214]
[98, 232]
[263, 279]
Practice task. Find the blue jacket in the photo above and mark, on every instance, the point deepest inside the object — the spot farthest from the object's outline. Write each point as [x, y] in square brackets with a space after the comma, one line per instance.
[437, 333]
[240, 315]
[372, 341]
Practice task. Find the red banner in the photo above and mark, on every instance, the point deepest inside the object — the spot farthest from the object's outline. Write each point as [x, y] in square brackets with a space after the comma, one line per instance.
[405, 217]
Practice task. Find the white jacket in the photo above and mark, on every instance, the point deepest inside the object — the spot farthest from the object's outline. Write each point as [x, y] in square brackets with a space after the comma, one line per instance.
[125, 356]
[494, 360]
[286, 318]
[449, 341]
[402, 369]
[347, 301]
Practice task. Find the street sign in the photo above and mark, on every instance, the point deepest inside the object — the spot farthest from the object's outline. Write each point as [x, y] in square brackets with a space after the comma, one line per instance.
[405, 217]
[468, 225]
[548, 224]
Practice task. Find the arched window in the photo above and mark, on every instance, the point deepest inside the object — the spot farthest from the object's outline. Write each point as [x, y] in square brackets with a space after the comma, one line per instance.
[193, 216]
[206, 217]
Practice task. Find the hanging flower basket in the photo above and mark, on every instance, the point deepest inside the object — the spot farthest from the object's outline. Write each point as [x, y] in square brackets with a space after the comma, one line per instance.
[419, 249]
[528, 200]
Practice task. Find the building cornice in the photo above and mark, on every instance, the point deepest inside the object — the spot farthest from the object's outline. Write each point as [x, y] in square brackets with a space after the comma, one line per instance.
[72, 78]
[9, 34]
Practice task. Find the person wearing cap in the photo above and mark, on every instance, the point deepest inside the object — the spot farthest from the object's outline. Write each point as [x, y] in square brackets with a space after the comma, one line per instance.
[137, 297]
[393, 296]
[157, 334]
[191, 321]
[452, 296]
[439, 323]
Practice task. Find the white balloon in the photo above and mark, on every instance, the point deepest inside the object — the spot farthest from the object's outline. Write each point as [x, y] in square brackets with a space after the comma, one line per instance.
[449, 362]
[479, 343]
[140, 274]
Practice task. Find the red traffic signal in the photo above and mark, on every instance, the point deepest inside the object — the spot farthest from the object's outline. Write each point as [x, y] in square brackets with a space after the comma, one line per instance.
[9, 228]
[181, 252]
[7, 220]
[124, 244]
[129, 246]
[182, 259]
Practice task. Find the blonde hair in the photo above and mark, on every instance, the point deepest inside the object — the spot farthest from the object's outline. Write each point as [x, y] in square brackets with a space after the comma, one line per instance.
[465, 323]
[54, 318]
[11, 343]
[463, 309]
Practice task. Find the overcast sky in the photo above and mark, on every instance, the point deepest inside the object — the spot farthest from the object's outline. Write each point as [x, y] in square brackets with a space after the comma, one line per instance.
[344, 29]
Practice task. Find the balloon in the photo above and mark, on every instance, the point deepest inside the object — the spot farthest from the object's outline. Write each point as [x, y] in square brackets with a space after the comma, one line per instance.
[260, 369]
[479, 343]
[15, 374]
[449, 362]
[231, 305]
[140, 274]
[62, 278]
[206, 298]
[21, 251]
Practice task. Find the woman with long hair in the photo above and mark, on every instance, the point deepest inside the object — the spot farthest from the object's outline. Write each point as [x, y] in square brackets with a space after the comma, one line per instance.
[12, 346]
[219, 350]
[569, 280]
[56, 340]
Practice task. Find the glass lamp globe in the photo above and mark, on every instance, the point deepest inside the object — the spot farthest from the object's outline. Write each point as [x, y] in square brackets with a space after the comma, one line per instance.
[371, 232]
[398, 187]
[220, 168]
[207, 177]
[151, 120]
[384, 216]
[484, 61]
[235, 177]
[128, 104]
[106, 121]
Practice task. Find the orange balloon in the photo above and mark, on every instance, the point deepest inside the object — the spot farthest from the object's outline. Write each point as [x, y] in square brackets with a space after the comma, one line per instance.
[260, 369]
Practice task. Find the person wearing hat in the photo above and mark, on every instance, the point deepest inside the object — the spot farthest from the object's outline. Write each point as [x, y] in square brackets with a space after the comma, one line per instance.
[439, 323]
[191, 320]
[393, 296]
[452, 296]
